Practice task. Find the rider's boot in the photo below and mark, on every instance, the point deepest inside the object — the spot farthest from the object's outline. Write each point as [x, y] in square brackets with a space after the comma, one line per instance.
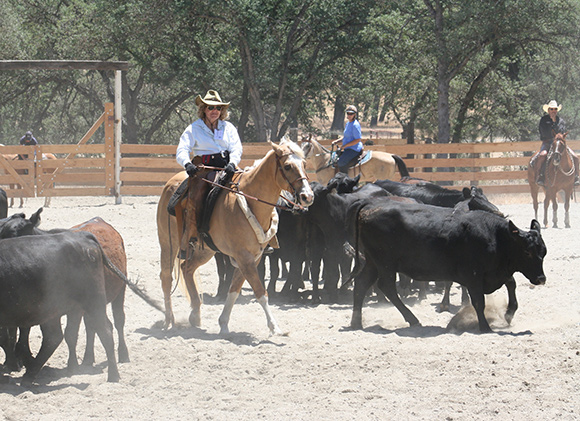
[192, 216]
[542, 173]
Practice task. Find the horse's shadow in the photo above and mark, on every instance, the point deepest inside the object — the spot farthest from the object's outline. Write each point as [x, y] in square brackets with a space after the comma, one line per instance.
[190, 332]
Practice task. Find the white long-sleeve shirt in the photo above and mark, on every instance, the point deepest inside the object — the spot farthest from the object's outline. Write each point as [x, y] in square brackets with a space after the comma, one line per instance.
[199, 139]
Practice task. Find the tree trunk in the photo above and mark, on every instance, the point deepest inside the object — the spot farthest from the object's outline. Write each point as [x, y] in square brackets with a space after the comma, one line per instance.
[257, 108]
[244, 115]
[337, 126]
[375, 111]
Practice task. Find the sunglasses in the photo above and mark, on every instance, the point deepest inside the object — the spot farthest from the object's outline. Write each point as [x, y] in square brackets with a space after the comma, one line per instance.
[214, 107]
[552, 109]
[350, 113]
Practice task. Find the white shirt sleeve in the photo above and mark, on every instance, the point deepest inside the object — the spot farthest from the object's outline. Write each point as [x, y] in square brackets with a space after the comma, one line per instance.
[185, 147]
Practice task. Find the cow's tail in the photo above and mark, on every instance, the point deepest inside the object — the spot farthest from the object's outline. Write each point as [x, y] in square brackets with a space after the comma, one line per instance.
[403, 170]
[142, 294]
[359, 258]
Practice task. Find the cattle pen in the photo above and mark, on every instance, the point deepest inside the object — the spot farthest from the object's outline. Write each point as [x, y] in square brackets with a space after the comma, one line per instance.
[91, 169]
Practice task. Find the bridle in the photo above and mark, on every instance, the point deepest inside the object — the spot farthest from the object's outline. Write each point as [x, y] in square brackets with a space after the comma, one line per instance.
[323, 153]
[556, 157]
[235, 189]
[290, 183]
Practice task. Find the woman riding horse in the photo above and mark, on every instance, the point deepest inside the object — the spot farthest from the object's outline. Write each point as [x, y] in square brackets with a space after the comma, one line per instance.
[352, 146]
[238, 228]
[213, 142]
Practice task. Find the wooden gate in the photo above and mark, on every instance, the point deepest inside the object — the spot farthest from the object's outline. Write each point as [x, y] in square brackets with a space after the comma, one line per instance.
[62, 170]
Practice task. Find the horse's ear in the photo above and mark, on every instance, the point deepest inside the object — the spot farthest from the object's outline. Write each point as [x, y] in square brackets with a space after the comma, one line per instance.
[276, 148]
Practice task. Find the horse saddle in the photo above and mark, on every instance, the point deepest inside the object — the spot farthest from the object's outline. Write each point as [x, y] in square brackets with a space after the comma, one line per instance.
[363, 158]
[208, 207]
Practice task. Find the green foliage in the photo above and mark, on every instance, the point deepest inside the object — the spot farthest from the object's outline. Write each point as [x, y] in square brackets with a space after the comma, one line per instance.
[285, 61]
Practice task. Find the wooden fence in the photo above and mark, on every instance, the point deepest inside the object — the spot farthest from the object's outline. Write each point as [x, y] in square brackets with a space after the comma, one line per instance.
[88, 170]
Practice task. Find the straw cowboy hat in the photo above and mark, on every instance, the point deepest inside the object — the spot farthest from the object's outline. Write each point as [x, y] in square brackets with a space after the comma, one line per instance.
[552, 104]
[211, 98]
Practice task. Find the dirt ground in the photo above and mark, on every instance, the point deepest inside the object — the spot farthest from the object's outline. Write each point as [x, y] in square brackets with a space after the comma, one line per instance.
[319, 370]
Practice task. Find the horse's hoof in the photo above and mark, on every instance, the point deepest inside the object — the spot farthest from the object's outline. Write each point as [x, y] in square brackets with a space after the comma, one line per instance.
[195, 319]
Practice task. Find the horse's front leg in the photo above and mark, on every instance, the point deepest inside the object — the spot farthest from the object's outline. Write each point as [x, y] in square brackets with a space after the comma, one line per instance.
[248, 271]
[567, 208]
[555, 211]
[546, 205]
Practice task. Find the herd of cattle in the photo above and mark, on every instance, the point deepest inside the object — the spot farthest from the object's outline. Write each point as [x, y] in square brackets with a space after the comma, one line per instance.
[412, 228]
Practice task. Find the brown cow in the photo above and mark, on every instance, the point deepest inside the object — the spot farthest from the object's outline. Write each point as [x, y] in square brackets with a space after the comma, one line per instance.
[113, 247]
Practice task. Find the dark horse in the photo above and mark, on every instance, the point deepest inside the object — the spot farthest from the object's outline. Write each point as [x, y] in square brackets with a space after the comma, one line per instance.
[560, 171]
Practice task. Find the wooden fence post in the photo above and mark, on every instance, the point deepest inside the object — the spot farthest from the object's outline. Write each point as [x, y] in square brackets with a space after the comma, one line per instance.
[109, 147]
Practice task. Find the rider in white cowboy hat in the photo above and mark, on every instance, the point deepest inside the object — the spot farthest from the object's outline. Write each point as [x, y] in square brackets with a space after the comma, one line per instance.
[551, 126]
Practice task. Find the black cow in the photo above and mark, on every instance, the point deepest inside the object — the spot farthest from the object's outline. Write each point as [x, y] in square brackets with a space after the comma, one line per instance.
[115, 280]
[45, 277]
[476, 249]
[3, 204]
[432, 194]
[329, 213]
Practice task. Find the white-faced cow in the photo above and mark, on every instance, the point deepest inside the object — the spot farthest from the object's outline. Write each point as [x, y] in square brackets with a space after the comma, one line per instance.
[476, 249]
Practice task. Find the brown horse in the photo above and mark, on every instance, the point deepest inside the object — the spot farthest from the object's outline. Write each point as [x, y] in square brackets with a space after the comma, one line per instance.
[559, 175]
[234, 231]
[381, 166]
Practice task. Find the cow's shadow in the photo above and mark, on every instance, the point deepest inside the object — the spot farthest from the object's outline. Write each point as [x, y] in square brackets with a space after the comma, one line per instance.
[432, 331]
[14, 383]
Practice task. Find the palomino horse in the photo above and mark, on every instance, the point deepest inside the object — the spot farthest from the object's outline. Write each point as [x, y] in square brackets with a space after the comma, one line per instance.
[234, 230]
[559, 175]
[382, 165]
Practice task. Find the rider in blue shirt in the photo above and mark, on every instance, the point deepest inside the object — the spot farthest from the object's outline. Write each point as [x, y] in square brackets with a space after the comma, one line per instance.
[351, 145]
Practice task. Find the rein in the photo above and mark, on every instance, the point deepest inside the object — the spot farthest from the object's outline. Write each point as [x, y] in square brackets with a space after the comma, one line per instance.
[257, 199]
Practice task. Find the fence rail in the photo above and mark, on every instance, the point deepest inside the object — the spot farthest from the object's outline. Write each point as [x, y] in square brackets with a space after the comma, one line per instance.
[83, 169]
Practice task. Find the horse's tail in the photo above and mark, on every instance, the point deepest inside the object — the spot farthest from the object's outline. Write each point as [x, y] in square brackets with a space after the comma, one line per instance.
[401, 166]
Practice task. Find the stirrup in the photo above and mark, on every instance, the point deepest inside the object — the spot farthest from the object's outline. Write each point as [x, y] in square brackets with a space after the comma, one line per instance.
[576, 181]
[540, 182]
